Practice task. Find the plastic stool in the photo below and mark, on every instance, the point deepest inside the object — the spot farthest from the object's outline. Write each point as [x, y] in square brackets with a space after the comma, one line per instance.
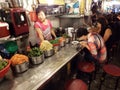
[76, 84]
[87, 68]
[111, 70]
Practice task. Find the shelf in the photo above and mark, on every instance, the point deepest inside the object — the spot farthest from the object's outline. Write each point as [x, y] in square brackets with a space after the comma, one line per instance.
[71, 16]
[13, 38]
[54, 15]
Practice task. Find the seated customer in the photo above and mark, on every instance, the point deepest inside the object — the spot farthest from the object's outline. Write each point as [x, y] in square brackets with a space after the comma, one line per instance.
[95, 49]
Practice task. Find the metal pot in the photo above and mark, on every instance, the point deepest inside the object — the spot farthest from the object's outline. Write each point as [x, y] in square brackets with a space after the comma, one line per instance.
[56, 47]
[37, 60]
[49, 53]
[19, 68]
[62, 44]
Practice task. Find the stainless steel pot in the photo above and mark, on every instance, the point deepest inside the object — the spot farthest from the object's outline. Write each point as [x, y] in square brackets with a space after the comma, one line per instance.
[37, 60]
[56, 47]
[62, 44]
[21, 67]
[49, 53]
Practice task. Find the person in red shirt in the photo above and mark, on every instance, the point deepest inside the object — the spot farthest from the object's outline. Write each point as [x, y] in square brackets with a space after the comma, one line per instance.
[43, 27]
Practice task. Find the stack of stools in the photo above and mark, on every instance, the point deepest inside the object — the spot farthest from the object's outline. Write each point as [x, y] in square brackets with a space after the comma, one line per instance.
[76, 84]
[112, 71]
[87, 68]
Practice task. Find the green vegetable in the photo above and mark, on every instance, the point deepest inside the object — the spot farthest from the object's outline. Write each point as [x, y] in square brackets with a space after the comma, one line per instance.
[66, 36]
[56, 41]
[34, 52]
[3, 64]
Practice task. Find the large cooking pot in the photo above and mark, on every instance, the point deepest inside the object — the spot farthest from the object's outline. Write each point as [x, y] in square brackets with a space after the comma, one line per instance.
[4, 30]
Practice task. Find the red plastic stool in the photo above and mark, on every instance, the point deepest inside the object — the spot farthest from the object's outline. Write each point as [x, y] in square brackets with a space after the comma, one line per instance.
[88, 68]
[76, 84]
[111, 70]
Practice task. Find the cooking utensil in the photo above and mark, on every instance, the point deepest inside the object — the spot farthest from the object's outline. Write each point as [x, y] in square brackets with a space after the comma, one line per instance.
[37, 60]
[56, 47]
[49, 53]
[62, 43]
[20, 68]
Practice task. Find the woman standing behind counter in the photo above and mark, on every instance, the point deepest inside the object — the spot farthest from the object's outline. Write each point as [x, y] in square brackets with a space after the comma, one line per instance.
[43, 27]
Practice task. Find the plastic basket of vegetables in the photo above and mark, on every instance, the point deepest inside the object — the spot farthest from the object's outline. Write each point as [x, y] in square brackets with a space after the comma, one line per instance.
[4, 67]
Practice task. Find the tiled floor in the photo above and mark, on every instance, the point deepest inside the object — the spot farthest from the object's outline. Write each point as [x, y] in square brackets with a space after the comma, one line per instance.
[58, 82]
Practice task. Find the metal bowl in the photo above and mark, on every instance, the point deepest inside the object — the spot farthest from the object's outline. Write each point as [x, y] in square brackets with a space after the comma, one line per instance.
[37, 60]
[62, 44]
[49, 53]
[56, 47]
[19, 68]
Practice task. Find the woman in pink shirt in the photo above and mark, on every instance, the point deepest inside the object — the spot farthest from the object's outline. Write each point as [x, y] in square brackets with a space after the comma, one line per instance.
[43, 27]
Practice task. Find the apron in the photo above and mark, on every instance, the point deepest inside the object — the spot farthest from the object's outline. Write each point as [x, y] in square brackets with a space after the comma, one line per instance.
[46, 32]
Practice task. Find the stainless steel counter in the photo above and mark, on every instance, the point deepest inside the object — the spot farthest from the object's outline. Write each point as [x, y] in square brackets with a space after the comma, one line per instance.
[37, 76]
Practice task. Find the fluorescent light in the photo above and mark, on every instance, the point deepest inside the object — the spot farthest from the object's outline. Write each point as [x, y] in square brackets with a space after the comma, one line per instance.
[50, 2]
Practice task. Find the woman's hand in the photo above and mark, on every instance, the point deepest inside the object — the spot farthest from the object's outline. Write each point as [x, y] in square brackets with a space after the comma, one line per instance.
[84, 37]
[83, 43]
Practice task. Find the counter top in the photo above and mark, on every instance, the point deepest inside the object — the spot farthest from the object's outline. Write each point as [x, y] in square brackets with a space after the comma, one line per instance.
[37, 76]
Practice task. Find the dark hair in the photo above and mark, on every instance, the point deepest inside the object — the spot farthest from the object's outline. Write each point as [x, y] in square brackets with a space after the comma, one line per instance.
[39, 9]
[81, 31]
[103, 21]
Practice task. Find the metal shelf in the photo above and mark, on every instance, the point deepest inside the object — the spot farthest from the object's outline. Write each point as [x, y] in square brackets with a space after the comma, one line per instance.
[13, 38]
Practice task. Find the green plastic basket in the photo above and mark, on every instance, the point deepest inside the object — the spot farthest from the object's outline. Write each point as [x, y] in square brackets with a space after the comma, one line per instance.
[11, 46]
